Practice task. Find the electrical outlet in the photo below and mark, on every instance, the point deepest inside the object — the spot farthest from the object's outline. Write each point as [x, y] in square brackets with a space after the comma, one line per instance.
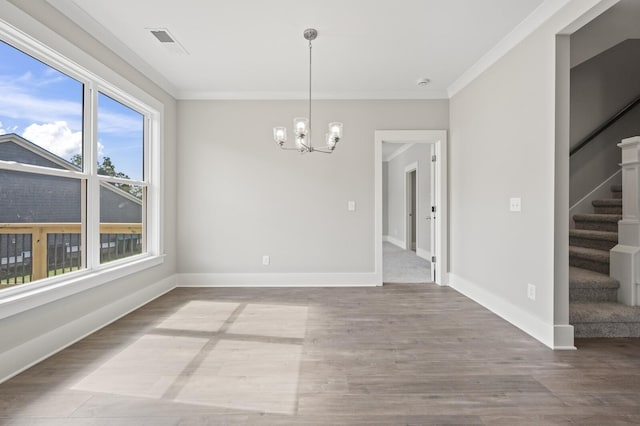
[266, 260]
[351, 206]
[515, 204]
[531, 291]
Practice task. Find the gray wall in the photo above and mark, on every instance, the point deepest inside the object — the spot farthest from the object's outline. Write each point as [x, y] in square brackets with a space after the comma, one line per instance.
[419, 153]
[49, 320]
[241, 197]
[599, 88]
[615, 25]
[502, 145]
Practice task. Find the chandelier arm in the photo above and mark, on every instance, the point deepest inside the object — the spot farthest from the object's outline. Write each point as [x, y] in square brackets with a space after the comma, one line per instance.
[286, 148]
[322, 150]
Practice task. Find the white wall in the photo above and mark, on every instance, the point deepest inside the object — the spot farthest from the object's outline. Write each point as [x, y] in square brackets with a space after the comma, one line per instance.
[600, 87]
[503, 145]
[241, 197]
[36, 333]
[418, 153]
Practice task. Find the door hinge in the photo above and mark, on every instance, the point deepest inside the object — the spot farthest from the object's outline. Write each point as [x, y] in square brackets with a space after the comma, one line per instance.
[433, 259]
[433, 209]
[433, 158]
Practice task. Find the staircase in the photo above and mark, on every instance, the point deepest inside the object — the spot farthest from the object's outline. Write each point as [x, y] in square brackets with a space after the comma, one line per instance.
[593, 307]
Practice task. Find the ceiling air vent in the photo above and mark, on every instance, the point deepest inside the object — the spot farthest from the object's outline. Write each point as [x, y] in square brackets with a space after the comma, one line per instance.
[168, 41]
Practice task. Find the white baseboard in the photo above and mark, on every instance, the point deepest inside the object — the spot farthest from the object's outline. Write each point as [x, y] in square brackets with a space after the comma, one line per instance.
[526, 322]
[365, 279]
[563, 337]
[394, 241]
[19, 358]
[426, 255]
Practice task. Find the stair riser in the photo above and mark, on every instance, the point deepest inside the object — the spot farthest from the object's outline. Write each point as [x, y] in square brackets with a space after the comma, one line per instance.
[621, 329]
[593, 295]
[597, 226]
[607, 210]
[591, 265]
[590, 243]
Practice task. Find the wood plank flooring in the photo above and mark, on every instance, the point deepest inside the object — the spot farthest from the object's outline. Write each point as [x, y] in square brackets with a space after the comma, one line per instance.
[398, 354]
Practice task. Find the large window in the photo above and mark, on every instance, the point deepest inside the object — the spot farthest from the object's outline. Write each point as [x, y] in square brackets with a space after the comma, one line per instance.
[74, 170]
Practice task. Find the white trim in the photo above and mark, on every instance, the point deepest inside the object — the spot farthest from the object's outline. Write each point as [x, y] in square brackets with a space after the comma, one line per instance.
[398, 151]
[260, 96]
[563, 337]
[526, 322]
[439, 139]
[28, 296]
[525, 28]
[394, 241]
[425, 254]
[20, 358]
[364, 279]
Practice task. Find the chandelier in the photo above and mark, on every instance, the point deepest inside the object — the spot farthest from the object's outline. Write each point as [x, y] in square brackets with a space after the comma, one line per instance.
[302, 125]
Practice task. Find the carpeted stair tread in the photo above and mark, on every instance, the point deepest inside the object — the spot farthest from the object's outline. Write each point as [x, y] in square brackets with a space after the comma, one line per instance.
[607, 202]
[609, 312]
[589, 254]
[594, 235]
[584, 278]
[592, 217]
[616, 188]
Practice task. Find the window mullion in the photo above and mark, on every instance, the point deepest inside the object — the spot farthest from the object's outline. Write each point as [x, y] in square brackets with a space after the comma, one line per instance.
[93, 190]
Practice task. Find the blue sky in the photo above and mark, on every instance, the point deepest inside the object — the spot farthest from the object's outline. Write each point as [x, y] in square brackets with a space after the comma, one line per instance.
[45, 106]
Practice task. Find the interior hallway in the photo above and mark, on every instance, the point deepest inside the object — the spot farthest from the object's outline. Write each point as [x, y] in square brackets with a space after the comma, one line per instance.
[403, 266]
[397, 354]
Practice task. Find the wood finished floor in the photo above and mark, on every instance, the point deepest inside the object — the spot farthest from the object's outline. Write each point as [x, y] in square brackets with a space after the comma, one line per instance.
[398, 354]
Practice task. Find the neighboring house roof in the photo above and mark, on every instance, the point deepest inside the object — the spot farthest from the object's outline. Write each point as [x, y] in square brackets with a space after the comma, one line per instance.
[29, 197]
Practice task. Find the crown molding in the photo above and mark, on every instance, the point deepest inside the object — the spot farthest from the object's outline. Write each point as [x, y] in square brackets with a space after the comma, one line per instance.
[245, 96]
[525, 28]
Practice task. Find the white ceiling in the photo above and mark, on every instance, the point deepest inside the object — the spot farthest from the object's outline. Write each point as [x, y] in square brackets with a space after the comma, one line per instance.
[254, 49]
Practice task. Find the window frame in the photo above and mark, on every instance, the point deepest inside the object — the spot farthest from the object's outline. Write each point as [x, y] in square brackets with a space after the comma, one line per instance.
[93, 273]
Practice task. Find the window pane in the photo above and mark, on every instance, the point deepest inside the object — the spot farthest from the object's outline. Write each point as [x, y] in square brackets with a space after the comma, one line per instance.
[120, 139]
[121, 213]
[40, 112]
[39, 226]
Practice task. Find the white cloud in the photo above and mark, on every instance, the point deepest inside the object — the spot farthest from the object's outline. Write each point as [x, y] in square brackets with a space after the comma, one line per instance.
[3, 131]
[16, 102]
[55, 137]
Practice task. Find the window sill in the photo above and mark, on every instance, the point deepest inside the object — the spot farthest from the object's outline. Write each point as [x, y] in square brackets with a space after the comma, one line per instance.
[50, 290]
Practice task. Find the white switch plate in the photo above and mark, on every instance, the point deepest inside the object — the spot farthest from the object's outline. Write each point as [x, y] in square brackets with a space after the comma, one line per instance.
[515, 204]
[351, 206]
[531, 291]
[266, 260]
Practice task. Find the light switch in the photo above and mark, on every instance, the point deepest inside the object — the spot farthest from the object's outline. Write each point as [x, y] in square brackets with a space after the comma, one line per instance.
[515, 204]
[351, 206]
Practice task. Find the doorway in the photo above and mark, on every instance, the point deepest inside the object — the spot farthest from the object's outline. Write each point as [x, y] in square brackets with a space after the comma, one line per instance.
[428, 215]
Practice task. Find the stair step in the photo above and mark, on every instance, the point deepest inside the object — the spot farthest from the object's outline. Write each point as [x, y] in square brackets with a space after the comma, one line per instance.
[601, 240]
[590, 286]
[616, 191]
[588, 258]
[607, 206]
[604, 319]
[597, 222]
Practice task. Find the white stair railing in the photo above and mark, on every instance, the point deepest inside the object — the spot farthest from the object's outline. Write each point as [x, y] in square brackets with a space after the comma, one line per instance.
[625, 257]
